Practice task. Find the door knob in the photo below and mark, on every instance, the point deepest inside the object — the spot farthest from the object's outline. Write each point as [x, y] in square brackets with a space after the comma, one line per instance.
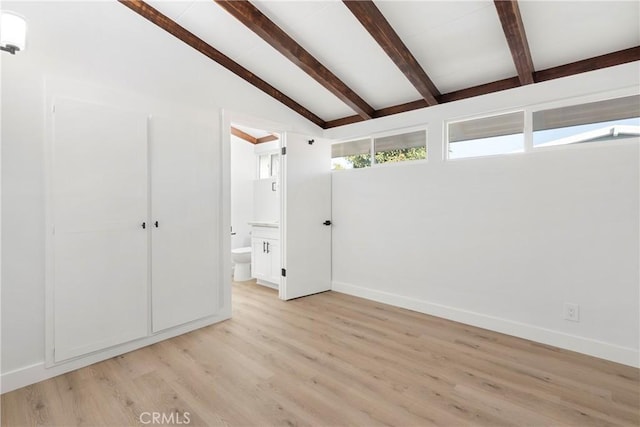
[327, 222]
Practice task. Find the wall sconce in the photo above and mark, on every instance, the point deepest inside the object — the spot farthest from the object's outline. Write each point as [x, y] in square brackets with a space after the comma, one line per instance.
[13, 32]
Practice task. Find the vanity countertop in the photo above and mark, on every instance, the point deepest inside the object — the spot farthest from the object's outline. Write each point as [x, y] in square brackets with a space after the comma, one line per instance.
[272, 224]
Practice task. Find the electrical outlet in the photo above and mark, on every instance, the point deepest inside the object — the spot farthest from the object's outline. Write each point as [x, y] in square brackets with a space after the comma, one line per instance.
[572, 312]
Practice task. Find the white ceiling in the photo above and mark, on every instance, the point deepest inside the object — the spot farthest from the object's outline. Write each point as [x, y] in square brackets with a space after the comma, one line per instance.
[459, 44]
[567, 31]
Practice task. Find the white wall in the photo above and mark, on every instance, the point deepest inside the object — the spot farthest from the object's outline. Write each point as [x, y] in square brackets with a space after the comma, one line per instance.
[501, 242]
[86, 44]
[243, 173]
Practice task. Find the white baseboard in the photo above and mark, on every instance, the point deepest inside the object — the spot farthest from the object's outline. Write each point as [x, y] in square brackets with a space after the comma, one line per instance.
[603, 350]
[38, 372]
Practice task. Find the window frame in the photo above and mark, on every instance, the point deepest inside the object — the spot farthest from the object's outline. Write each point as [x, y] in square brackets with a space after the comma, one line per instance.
[269, 153]
[398, 131]
[445, 132]
[528, 111]
[577, 101]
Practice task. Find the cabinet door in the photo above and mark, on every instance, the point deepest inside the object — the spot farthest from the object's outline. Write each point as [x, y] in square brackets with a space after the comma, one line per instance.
[274, 261]
[99, 203]
[260, 263]
[185, 280]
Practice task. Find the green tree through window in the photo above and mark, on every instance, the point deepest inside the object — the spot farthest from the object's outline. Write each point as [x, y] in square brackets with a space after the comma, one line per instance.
[399, 155]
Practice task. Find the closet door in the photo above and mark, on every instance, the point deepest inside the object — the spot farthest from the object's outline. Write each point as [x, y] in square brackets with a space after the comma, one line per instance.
[184, 243]
[99, 204]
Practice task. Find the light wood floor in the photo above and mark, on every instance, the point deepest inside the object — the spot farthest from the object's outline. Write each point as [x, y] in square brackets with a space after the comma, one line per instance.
[333, 360]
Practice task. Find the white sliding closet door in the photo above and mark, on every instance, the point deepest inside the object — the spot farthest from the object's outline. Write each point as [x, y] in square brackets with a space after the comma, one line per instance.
[100, 259]
[185, 241]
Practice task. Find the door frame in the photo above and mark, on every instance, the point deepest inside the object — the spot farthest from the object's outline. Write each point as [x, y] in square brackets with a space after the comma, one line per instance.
[227, 117]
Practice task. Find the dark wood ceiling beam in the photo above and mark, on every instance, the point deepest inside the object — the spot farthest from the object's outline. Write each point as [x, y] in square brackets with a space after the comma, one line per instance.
[483, 89]
[343, 121]
[260, 24]
[162, 21]
[383, 33]
[511, 20]
[243, 135]
[591, 64]
[603, 61]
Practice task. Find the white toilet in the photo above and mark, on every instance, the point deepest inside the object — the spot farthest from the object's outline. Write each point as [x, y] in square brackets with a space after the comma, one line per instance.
[241, 258]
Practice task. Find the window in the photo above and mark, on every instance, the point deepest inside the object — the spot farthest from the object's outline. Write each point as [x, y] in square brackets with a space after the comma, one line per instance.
[596, 121]
[401, 147]
[388, 149]
[351, 154]
[268, 165]
[487, 136]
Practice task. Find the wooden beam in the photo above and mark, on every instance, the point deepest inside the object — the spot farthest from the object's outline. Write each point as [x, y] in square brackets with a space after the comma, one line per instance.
[243, 135]
[591, 64]
[162, 21]
[483, 89]
[343, 121]
[267, 138]
[511, 20]
[401, 108]
[257, 22]
[383, 33]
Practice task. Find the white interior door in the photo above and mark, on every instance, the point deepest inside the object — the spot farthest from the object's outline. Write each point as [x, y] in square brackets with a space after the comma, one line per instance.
[306, 205]
[184, 219]
[100, 259]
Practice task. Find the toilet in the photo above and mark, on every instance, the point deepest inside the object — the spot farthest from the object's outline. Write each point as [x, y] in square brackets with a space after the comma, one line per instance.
[241, 258]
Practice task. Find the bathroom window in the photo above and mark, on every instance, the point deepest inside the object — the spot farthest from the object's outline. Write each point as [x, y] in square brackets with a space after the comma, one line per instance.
[608, 120]
[351, 154]
[401, 147]
[268, 165]
[501, 134]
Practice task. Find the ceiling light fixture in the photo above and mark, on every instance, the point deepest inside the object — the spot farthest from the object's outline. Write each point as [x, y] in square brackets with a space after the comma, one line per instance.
[13, 32]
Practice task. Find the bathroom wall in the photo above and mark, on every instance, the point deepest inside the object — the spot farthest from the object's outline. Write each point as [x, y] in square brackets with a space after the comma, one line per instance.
[243, 173]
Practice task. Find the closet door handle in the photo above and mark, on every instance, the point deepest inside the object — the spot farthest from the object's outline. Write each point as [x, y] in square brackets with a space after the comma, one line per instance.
[156, 224]
[263, 247]
[267, 247]
[144, 225]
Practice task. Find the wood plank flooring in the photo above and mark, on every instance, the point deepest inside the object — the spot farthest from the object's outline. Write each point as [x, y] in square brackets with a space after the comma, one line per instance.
[335, 360]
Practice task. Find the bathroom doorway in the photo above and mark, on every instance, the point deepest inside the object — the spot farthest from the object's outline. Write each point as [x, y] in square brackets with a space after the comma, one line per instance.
[255, 205]
[290, 251]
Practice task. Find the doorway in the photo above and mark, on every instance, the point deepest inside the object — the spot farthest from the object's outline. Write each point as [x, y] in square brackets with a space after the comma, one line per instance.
[303, 235]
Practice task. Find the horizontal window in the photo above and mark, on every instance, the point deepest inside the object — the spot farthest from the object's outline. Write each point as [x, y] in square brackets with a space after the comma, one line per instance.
[351, 154]
[401, 147]
[596, 121]
[486, 136]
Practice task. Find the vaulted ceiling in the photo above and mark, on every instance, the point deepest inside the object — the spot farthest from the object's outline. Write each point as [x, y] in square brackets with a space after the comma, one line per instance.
[340, 62]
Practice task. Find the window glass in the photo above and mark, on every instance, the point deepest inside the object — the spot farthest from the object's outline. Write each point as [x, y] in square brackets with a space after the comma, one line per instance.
[264, 166]
[275, 164]
[401, 147]
[268, 165]
[486, 136]
[596, 121]
[351, 154]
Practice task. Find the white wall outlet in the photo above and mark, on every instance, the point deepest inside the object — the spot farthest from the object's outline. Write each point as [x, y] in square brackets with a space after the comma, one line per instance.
[572, 312]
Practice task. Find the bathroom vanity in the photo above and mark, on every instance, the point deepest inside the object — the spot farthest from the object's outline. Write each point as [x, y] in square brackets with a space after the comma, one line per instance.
[265, 253]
